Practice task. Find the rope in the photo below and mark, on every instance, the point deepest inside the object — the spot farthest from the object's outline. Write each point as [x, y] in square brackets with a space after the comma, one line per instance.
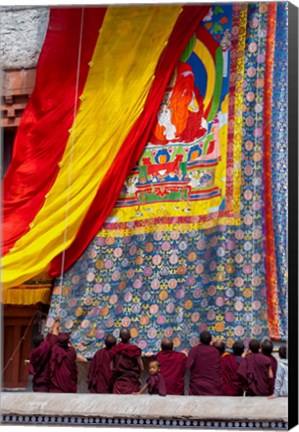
[71, 158]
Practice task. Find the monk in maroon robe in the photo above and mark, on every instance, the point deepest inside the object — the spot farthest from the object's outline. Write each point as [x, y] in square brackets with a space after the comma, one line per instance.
[126, 365]
[256, 372]
[267, 349]
[232, 381]
[39, 365]
[99, 373]
[205, 368]
[63, 367]
[173, 366]
[155, 382]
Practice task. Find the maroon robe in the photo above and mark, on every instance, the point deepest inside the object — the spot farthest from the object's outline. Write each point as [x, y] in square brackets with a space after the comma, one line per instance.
[99, 372]
[63, 370]
[39, 365]
[205, 371]
[172, 367]
[126, 372]
[254, 370]
[156, 385]
[232, 381]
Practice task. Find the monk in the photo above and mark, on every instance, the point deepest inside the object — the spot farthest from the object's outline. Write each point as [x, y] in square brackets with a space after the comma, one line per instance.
[126, 365]
[173, 366]
[267, 349]
[99, 373]
[232, 382]
[39, 365]
[63, 367]
[256, 371]
[155, 382]
[205, 368]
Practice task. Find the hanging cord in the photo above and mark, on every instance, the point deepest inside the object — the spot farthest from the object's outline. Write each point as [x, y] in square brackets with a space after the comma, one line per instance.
[18, 345]
[71, 158]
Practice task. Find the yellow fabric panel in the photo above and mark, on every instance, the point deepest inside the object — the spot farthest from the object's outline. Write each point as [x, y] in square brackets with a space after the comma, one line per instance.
[180, 227]
[164, 209]
[26, 295]
[130, 43]
[205, 56]
[238, 117]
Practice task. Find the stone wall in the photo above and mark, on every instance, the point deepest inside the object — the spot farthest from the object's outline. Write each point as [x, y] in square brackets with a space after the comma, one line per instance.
[219, 412]
[22, 33]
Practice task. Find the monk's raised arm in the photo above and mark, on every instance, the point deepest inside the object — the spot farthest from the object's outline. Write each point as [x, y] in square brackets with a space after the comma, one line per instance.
[271, 374]
[140, 363]
[55, 329]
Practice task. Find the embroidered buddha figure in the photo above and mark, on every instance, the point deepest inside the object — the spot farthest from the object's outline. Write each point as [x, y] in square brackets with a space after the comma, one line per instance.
[180, 118]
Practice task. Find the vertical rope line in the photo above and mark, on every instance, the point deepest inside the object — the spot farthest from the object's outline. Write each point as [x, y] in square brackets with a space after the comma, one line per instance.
[73, 129]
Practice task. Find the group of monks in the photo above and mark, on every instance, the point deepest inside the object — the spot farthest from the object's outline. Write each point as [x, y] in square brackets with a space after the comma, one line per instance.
[117, 367]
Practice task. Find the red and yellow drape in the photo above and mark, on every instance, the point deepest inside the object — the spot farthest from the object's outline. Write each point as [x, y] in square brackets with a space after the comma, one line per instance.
[100, 79]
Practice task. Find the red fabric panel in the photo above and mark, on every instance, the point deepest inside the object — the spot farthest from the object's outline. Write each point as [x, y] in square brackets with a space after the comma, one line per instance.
[271, 270]
[43, 131]
[136, 140]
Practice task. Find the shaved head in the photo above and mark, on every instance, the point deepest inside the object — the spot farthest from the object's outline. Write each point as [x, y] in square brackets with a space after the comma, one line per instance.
[166, 344]
[125, 335]
[238, 348]
[267, 347]
[205, 337]
[254, 346]
[110, 341]
[220, 345]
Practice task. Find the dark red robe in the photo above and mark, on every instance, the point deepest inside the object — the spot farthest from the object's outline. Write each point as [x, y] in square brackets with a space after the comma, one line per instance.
[99, 372]
[172, 367]
[156, 385]
[254, 370]
[39, 365]
[63, 370]
[125, 372]
[205, 371]
[232, 381]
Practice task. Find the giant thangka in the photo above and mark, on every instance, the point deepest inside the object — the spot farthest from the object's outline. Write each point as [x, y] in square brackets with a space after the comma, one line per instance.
[184, 248]
[197, 236]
